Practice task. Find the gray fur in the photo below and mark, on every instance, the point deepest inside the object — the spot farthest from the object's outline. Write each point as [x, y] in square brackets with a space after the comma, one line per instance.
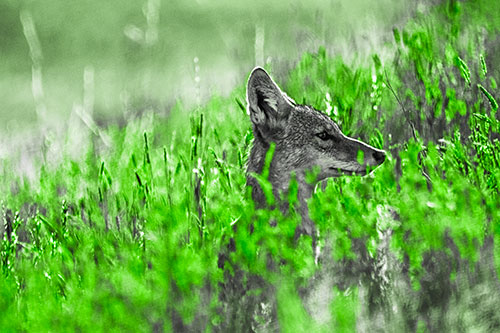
[294, 129]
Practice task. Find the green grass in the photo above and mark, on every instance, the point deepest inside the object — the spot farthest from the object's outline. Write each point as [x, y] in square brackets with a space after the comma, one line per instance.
[129, 234]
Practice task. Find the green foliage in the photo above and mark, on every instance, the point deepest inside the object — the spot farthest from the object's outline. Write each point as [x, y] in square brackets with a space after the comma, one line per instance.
[158, 231]
[344, 309]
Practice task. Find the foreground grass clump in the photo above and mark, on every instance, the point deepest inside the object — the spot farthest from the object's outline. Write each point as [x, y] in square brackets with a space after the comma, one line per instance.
[153, 231]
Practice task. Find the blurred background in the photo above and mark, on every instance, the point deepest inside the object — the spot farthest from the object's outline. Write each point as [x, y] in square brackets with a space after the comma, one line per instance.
[114, 57]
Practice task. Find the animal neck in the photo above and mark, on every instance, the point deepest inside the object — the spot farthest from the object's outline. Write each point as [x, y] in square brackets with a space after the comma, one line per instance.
[280, 182]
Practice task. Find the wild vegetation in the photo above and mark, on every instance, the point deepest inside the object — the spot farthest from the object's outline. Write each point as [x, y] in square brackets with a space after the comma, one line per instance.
[150, 226]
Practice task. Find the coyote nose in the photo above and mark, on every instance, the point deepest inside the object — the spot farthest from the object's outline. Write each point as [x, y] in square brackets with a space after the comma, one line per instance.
[379, 156]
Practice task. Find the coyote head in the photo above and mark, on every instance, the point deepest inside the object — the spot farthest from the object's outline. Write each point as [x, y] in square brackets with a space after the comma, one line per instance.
[305, 139]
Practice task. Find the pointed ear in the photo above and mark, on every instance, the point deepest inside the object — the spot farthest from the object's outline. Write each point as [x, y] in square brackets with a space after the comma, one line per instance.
[268, 106]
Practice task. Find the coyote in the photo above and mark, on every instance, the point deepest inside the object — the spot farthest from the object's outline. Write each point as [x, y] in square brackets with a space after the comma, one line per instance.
[305, 140]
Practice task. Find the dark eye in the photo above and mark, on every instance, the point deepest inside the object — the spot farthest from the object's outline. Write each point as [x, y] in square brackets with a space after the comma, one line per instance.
[323, 136]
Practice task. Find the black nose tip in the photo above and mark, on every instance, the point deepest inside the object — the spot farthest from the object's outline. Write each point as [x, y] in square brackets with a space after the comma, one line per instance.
[379, 156]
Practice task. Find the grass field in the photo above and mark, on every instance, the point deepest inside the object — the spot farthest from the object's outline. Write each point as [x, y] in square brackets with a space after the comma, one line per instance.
[139, 220]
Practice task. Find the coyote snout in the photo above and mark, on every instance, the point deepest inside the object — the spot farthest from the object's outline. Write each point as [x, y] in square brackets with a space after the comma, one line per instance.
[336, 154]
[305, 140]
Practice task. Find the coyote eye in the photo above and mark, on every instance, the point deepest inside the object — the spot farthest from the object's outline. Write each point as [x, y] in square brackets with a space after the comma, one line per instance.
[323, 136]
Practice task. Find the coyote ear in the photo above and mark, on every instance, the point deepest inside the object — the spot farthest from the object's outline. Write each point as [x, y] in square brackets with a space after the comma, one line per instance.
[268, 106]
